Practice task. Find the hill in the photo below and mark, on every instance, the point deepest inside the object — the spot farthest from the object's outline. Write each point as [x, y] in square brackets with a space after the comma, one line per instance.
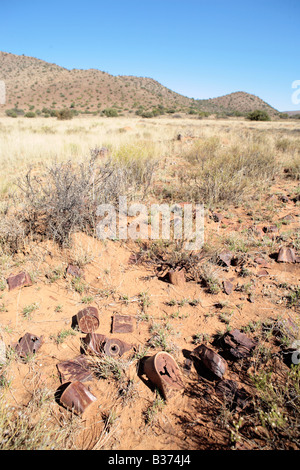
[33, 84]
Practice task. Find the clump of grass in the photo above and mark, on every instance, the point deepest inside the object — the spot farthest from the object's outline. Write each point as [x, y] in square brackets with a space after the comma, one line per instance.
[32, 427]
[160, 336]
[223, 175]
[78, 285]
[107, 367]
[55, 274]
[152, 412]
[209, 275]
[60, 337]
[29, 309]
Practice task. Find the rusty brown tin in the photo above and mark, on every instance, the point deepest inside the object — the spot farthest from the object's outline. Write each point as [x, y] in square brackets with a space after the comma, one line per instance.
[77, 397]
[88, 319]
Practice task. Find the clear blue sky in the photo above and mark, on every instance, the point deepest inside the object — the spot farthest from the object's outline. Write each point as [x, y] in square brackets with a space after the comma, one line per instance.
[199, 48]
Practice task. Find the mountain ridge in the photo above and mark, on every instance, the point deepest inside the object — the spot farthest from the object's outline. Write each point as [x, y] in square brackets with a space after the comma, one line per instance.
[33, 84]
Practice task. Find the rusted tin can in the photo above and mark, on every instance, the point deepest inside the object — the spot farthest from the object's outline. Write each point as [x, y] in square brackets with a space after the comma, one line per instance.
[115, 347]
[77, 397]
[93, 343]
[211, 360]
[163, 371]
[88, 319]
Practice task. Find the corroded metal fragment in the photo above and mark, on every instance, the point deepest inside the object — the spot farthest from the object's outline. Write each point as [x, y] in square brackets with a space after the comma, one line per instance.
[286, 255]
[19, 280]
[93, 343]
[122, 324]
[75, 370]
[238, 344]
[211, 360]
[177, 278]
[28, 344]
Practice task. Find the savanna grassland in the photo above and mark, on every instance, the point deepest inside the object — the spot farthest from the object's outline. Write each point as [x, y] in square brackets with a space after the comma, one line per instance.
[53, 174]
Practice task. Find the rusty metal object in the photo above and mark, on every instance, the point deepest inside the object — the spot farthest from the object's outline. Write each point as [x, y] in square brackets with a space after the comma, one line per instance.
[163, 371]
[228, 287]
[211, 360]
[88, 319]
[75, 370]
[225, 258]
[229, 391]
[28, 344]
[74, 271]
[122, 324]
[262, 262]
[177, 278]
[20, 280]
[286, 255]
[77, 397]
[93, 343]
[238, 344]
[115, 347]
[226, 389]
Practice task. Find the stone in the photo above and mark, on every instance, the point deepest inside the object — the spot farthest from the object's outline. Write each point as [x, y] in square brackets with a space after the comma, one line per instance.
[262, 262]
[270, 229]
[217, 217]
[283, 198]
[262, 273]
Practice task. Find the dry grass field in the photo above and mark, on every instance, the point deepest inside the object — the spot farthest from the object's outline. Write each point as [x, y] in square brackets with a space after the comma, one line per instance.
[52, 175]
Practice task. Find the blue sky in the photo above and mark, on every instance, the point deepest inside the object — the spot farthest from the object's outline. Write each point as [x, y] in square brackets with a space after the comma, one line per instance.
[199, 48]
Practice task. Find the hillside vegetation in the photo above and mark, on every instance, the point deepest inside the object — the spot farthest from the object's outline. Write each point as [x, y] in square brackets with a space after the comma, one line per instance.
[33, 85]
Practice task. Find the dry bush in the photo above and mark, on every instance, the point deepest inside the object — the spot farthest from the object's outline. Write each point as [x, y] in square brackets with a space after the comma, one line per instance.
[63, 199]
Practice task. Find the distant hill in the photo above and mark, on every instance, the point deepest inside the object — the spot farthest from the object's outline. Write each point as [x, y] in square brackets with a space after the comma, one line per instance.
[292, 113]
[33, 84]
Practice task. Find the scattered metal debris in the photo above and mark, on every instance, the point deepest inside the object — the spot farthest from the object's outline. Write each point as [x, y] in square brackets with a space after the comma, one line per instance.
[163, 371]
[77, 397]
[88, 319]
[19, 280]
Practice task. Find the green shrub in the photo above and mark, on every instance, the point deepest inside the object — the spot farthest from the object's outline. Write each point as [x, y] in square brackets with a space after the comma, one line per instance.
[64, 114]
[258, 115]
[110, 112]
[30, 114]
[14, 112]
